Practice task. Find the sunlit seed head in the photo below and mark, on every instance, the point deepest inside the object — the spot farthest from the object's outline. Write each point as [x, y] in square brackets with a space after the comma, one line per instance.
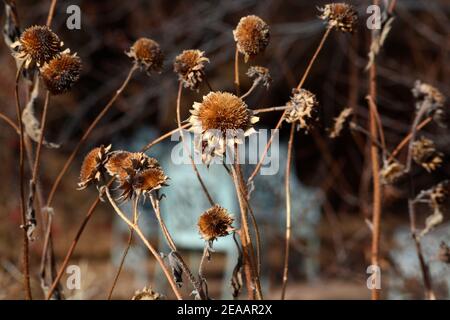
[190, 65]
[341, 16]
[252, 36]
[214, 223]
[61, 73]
[147, 54]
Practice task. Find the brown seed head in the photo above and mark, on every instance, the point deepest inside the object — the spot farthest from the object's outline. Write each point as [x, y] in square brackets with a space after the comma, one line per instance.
[430, 97]
[424, 153]
[341, 122]
[61, 73]
[340, 15]
[444, 253]
[93, 166]
[392, 171]
[149, 180]
[37, 45]
[260, 74]
[302, 109]
[147, 54]
[214, 223]
[251, 35]
[147, 294]
[439, 194]
[189, 65]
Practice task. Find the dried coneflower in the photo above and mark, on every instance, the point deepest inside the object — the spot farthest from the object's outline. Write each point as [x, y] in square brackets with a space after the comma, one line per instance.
[190, 65]
[260, 74]
[218, 121]
[340, 123]
[439, 194]
[37, 45]
[61, 73]
[341, 16]
[147, 54]
[147, 294]
[425, 154]
[434, 101]
[148, 180]
[214, 223]
[251, 35]
[302, 109]
[392, 171]
[93, 166]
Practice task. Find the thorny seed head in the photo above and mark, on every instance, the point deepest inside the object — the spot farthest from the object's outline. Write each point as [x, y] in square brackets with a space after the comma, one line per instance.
[37, 45]
[260, 74]
[341, 16]
[147, 54]
[433, 100]
[251, 35]
[148, 180]
[61, 73]
[214, 223]
[341, 122]
[391, 172]
[190, 65]
[93, 166]
[302, 109]
[424, 153]
[147, 294]
[219, 119]
[444, 253]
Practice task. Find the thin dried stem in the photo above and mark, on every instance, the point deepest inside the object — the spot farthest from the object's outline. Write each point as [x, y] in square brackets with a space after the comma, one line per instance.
[164, 137]
[271, 109]
[237, 83]
[287, 188]
[138, 231]
[25, 244]
[187, 148]
[41, 139]
[10, 122]
[51, 12]
[165, 231]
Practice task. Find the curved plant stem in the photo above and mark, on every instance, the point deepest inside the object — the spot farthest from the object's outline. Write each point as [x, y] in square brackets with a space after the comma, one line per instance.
[271, 109]
[10, 122]
[25, 258]
[87, 133]
[127, 248]
[163, 137]
[288, 211]
[51, 12]
[165, 231]
[138, 231]
[236, 72]
[187, 148]
[280, 121]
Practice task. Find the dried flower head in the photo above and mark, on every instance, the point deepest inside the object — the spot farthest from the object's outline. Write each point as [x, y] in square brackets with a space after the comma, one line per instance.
[260, 74]
[444, 253]
[251, 35]
[392, 171]
[61, 73]
[190, 65]
[341, 122]
[424, 153]
[221, 119]
[148, 180]
[37, 45]
[430, 97]
[93, 166]
[147, 54]
[339, 15]
[439, 194]
[214, 223]
[302, 109]
[147, 294]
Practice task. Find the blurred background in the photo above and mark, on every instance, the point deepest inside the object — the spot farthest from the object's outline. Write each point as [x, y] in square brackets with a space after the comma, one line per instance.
[332, 178]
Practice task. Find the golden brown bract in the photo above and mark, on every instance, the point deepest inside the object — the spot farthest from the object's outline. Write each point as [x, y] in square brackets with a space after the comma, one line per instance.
[147, 54]
[252, 36]
[190, 65]
[341, 16]
[61, 73]
[37, 45]
[214, 223]
[93, 166]
[425, 154]
[149, 180]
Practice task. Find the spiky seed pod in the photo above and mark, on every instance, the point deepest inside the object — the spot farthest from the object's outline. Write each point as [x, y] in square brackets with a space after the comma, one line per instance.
[214, 223]
[147, 294]
[93, 166]
[302, 109]
[61, 73]
[147, 54]
[37, 45]
[221, 119]
[252, 36]
[260, 74]
[434, 100]
[391, 172]
[148, 180]
[190, 65]
[444, 253]
[341, 16]
[424, 153]
[340, 123]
